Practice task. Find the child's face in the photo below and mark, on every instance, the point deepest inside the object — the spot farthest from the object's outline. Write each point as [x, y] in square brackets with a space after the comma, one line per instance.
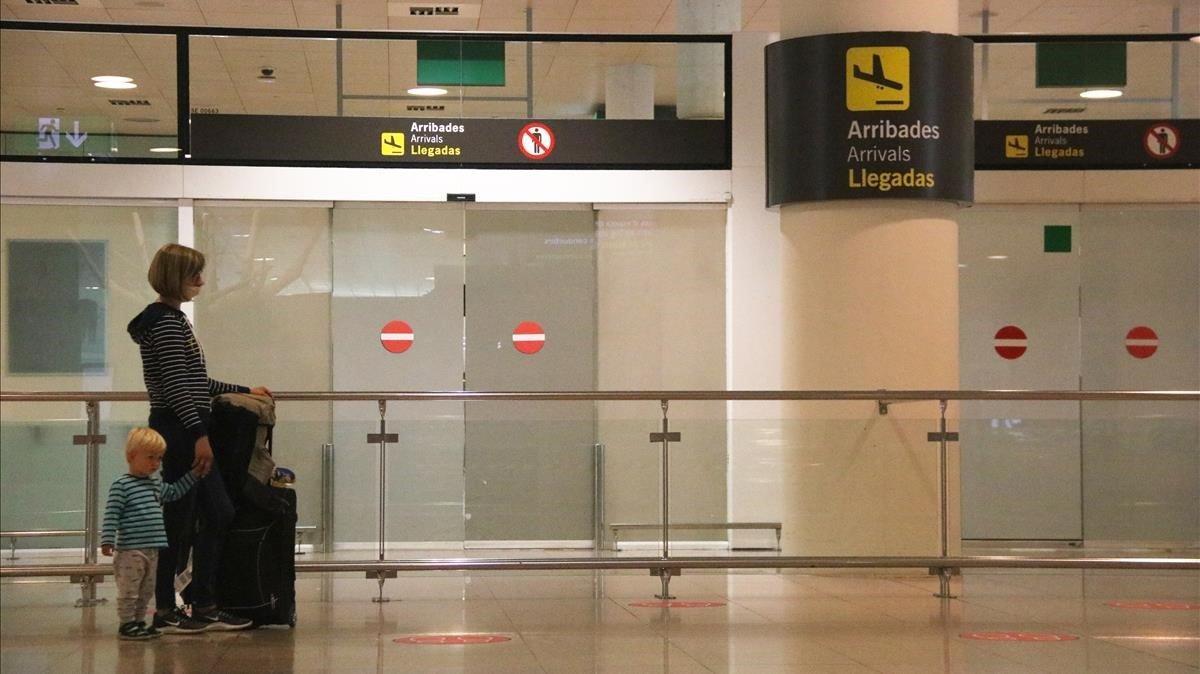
[145, 462]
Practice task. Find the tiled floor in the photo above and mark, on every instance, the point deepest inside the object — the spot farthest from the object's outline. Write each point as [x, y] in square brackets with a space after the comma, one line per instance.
[583, 622]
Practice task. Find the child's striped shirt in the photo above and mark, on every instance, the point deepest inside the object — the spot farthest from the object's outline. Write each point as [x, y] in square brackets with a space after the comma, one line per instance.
[133, 517]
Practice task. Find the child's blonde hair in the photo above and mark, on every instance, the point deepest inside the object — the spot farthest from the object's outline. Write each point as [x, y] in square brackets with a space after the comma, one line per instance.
[143, 440]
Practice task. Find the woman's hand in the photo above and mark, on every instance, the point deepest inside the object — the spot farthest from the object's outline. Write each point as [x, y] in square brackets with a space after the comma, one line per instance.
[204, 457]
[262, 391]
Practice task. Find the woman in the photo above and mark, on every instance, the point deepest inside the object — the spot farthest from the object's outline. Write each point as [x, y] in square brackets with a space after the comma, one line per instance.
[181, 393]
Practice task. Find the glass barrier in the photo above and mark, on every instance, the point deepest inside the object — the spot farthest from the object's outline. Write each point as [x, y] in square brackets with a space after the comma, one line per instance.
[1143, 80]
[89, 95]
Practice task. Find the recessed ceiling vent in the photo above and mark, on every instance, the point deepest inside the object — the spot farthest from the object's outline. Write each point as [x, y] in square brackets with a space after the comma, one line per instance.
[128, 101]
[426, 108]
[457, 10]
[1063, 111]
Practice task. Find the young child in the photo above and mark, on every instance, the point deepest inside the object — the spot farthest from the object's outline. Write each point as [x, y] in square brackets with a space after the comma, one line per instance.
[133, 525]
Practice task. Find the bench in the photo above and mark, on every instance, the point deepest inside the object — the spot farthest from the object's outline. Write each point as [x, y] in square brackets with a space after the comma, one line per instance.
[777, 526]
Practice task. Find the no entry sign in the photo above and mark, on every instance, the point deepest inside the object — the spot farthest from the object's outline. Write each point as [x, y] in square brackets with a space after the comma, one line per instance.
[1011, 342]
[396, 336]
[529, 337]
[1141, 342]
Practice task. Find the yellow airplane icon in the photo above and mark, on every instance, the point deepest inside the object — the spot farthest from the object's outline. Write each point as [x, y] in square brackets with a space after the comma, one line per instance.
[1016, 147]
[877, 78]
[391, 143]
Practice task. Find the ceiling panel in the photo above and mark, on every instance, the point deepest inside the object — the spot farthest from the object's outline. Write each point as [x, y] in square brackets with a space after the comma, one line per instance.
[49, 71]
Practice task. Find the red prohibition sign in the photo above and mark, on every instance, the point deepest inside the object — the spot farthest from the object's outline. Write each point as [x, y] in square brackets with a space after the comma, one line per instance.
[1141, 341]
[1161, 141]
[536, 140]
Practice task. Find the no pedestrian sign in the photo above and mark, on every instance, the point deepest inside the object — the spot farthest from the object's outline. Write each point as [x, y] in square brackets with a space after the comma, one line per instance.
[536, 141]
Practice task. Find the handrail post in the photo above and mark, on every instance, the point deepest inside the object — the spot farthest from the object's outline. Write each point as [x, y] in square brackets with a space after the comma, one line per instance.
[666, 436]
[327, 498]
[944, 572]
[91, 526]
[383, 438]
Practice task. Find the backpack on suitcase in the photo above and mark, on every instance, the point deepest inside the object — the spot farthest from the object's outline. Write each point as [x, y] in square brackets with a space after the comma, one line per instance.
[256, 577]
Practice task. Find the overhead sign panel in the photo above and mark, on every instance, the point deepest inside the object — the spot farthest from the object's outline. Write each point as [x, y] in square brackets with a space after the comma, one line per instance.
[460, 142]
[869, 116]
[1087, 144]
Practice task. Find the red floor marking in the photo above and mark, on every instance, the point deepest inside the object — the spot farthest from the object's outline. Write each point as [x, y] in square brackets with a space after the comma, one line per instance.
[1018, 636]
[452, 639]
[1155, 605]
[677, 604]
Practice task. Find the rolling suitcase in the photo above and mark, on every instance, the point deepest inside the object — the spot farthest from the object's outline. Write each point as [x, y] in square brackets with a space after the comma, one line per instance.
[256, 577]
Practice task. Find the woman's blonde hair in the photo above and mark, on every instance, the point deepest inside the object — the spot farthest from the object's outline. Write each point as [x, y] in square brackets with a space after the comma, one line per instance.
[172, 268]
[143, 440]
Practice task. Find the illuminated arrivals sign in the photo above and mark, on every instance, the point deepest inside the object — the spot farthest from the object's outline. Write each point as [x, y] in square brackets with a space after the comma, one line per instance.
[461, 142]
[1087, 144]
[869, 116]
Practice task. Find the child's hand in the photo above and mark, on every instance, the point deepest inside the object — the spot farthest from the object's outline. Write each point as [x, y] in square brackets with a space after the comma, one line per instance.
[106, 549]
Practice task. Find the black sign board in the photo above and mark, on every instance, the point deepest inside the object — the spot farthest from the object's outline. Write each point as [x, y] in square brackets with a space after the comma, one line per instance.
[461, 142]
[882, 115]
[1088, 144]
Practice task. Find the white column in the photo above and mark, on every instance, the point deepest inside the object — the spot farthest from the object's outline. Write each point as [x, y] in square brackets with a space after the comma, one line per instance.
[629, 91]
[701, 78]
[870, 300]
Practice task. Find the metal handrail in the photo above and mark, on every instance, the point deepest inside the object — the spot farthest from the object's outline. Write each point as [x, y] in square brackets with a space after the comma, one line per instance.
[788, 395]
[626, 563]
[664, 565]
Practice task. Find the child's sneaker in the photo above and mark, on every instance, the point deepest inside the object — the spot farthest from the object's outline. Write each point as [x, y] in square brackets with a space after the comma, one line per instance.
[219, 621]
[174, 621]
[133, 631]
[150, 630]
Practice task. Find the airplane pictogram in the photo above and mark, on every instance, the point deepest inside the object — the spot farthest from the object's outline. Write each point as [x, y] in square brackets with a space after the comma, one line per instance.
[1016, 146]
[877, 76]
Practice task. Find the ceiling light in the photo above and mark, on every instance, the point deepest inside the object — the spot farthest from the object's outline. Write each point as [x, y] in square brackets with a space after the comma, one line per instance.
[111, 78]
[108, 84]
[164, 149]
[427, 91]
[997, 257]
[1101, 93]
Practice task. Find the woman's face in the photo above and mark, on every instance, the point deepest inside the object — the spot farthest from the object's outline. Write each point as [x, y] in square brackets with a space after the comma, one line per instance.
[192, 288]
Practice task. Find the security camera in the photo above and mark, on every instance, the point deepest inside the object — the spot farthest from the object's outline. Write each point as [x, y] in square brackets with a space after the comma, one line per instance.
[267, 74]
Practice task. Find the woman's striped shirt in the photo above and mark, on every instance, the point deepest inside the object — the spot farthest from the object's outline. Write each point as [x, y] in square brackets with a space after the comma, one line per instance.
[174, 368]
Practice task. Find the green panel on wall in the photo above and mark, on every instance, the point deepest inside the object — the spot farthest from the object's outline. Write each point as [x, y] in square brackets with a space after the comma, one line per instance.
[460, 63]
[1081, 64]
[1057, 239]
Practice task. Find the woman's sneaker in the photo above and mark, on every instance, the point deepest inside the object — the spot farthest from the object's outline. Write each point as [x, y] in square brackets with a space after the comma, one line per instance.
[134, 631]
[174, 621]
[216, 620]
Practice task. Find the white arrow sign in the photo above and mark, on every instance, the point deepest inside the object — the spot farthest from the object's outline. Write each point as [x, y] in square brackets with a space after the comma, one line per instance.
[75, 137]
